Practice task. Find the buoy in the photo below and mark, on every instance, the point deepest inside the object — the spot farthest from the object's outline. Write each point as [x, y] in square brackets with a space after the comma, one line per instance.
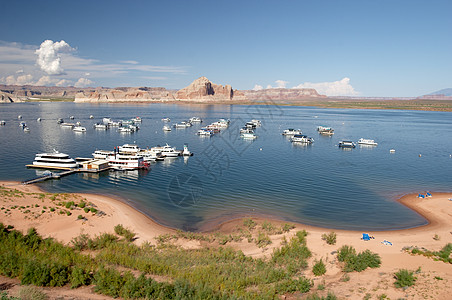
[420, 155]
[392, 150]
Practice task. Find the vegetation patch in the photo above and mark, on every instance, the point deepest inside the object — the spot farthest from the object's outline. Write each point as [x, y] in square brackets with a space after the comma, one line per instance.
[329, 238]
[404, 278]
[357, 262]
[442, 255]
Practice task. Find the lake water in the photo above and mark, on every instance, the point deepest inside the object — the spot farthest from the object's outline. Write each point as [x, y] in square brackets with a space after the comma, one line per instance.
[319, 184]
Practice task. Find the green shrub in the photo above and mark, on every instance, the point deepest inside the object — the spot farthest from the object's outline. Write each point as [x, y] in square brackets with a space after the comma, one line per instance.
[330, 296]
[52, 209]
[357, 262]
[404, 278]
[80, 217]
[329, 238]
[86, 209]
[82, 204]
[302, 285]
[124, 232]
[267, 226]
[80, 277]
[263, 240]
[249, 223]
[80, 242]
[345, 252]
[31, 293]
[68, 213]
[319, 268]
[93, 210]
[287, 227]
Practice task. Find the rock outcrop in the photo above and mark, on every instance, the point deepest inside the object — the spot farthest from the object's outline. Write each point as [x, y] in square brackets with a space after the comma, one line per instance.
[125, 94]
[8, 98]
[278, 94]
[203, 90]
[200, 90]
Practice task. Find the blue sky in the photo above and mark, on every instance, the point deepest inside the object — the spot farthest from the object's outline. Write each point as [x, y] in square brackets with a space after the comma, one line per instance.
[362, 48]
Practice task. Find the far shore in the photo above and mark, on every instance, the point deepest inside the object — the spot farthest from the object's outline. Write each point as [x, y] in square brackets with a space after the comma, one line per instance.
[30, 207]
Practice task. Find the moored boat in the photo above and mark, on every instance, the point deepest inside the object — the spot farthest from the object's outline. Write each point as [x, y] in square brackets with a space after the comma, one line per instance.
[325, 130]
[346, 144]
[291, 131]
[54, 160]
[100, 126]
[300, 138]
[166, 128]
[369, 142]
[195, 120]
[79, 129]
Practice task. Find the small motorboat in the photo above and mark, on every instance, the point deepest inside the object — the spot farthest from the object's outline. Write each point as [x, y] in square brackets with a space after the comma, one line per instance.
[166, 128]
[300, 138]
[291, 131]
[346, 144]
[79, 129]
[166, 120]
[362, 141]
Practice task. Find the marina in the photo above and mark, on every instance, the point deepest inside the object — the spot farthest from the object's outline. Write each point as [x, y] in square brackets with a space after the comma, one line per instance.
[236, 176]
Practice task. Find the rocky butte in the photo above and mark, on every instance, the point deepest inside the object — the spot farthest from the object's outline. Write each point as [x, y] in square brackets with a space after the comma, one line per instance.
[201, 90]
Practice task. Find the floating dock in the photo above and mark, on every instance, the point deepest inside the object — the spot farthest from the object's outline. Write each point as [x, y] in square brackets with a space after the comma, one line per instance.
[67, 171]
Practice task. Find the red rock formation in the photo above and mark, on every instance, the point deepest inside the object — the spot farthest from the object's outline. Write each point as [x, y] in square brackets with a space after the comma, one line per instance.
[203, 90]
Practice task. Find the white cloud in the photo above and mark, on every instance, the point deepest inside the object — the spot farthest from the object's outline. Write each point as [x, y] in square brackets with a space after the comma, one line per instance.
[83, 82]
[63, 82]
[269, 87]
[131, 62]
[335, 88]
[257, 87]
[49, 56]
[281, 84]
[20, 80]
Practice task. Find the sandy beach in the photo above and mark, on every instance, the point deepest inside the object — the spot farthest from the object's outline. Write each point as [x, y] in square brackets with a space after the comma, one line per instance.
[32, 207]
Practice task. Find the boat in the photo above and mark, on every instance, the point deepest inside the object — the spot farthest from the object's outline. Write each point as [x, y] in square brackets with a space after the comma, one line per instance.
[125, 130]
[91, 116]
[2, 122]
[205, 132]
[346, 144]
[54, 160]
[150, 154]
[78, 123]
[19, 117]
[291, 131]
[248, 135]
[79, 129]
[129, 148]
[22, 124]
[166, 120]
[186, 152]
[102, 154]
[67, 125]
[300, 138]
[114, 124]
[106, 120]
[100, 126]
[256, 122]
[60, 121]
[183, 124]
[370, 142]
[166, 128]
[136, 120]
[167, 151]
[195, 120]
[250, 125]
[126, 161]
[72, 117]
[325, 130]
[26, 129]
[38, 119]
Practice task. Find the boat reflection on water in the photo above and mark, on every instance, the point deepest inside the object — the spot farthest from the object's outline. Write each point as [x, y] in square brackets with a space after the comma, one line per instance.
[129, 175]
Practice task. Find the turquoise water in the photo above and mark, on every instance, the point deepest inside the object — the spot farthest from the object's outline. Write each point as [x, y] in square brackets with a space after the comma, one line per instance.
[227, 177]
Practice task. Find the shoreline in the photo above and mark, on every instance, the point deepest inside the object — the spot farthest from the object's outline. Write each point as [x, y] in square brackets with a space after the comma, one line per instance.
[433, 236]
[410, 201]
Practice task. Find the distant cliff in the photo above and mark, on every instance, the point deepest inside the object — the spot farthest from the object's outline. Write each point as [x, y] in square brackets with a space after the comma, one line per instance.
[200, 90]
[203, 90]
[279, 94]
[124, 94]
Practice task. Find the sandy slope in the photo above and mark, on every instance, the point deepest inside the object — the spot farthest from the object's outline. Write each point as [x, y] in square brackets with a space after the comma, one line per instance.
[376, 282]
